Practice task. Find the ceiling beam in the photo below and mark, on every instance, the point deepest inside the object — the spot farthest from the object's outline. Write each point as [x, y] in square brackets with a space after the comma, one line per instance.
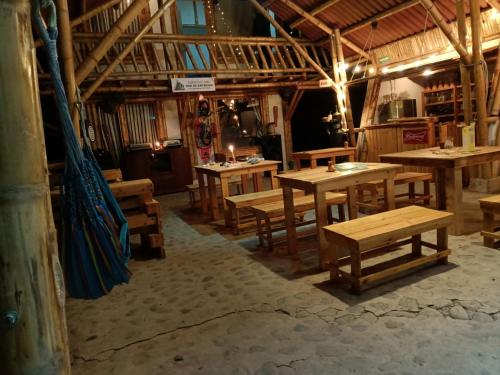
[494, 4]
[377, 17]
[315, 11]
[323, 26]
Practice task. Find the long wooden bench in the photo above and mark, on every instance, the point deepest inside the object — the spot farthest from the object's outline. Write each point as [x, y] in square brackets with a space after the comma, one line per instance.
[238, 204]
[375, 202]
[490, 207]
[380, 234]
[265, 213]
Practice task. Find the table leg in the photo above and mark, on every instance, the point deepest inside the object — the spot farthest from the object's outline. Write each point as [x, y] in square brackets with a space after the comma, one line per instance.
[224, 184]
[441, 189]
[212, 195]
[244, 183]
[314, 163]
[203, 196]
[351, 202]
[453, 188]
[321, 221]
[274, 180]
[257, 182]
[297, 163]
[389, 196]
[442, 243]
[291, 231]
[351, 157]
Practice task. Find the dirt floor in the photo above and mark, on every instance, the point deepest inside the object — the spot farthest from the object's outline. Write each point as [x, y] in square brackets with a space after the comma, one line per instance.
[220, 305]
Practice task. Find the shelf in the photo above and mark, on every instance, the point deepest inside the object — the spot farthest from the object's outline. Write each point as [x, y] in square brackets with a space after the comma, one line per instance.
[439, 103]
[438, 90]
[440, 116]
[461, 100]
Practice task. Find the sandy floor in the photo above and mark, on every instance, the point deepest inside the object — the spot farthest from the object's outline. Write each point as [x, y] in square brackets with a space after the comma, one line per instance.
[219, 305]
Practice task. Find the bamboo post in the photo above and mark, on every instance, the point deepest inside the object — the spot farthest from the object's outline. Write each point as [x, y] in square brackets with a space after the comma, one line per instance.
[464, 71]
[109, 39]
[292, 41]
[66, 58]
[446, 29]
[130, 46]
[479, 79]
[33, 338]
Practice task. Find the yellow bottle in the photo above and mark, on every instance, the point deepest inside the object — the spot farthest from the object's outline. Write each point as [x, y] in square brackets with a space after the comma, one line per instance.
[469, 137]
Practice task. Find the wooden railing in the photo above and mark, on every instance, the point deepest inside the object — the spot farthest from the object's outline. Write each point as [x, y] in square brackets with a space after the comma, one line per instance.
[163, 56]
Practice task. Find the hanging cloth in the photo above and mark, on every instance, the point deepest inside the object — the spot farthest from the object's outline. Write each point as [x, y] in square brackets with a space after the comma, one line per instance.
[95, 238]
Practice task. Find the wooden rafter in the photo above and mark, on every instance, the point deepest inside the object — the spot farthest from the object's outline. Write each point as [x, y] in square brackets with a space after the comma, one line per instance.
[315, 11]
[379, 16]
[94, 12]
[494, 4]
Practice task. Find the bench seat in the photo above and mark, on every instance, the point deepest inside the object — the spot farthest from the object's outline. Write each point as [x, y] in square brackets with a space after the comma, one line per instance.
[268, 214]
[490, 206]
[382, 233]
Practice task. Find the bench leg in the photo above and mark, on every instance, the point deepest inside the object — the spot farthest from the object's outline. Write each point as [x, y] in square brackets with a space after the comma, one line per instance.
[489, 225]
[329, 214]
[411, 190]
[236, 219]
[416, 245]
[355, 272]
[260, 234]
[341, 211]
[442, 243]
[427, 192]
[269, 234]
[374, 199]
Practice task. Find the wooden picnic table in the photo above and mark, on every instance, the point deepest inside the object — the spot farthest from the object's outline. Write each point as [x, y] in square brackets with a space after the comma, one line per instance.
[448, 164]
[242, 169]
[325, 153]
[319, 181]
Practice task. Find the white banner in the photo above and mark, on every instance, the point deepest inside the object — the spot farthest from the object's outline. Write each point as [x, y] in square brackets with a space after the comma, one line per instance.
[198, 84]
[325, 83]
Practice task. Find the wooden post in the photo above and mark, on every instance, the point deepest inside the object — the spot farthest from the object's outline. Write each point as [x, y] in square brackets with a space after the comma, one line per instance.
[66, 58]
[446, 29]
[109, 40]
[292, 41]
[33, 338]
[464, 71]
[130, 46]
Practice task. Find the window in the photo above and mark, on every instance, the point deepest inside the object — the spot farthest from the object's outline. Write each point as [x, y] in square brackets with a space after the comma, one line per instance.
[192, 13]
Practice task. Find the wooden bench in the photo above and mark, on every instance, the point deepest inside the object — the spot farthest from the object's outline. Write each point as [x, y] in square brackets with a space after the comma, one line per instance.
[194, 191]
[382, 233]
[265, 213]
[375, 202]
[237, 205]
[490, 207]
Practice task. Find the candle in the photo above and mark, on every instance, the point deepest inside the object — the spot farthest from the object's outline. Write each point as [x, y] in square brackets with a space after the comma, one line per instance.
[231, 148]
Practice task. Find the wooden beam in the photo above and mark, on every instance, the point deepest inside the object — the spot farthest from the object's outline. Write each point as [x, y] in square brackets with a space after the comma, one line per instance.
[494, 4]
[292, 41]
[323, 26]
[67, 62]
[446, 29]
[109, 40]
[379, 16]
[464, 71]
[130, 46]
[93, 12]
[315, 11]
[33, 335]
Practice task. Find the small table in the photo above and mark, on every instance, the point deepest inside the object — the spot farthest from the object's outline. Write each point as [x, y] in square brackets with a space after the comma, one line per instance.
[448, 164]
[319, 181]
[242, 169]
[325, 153]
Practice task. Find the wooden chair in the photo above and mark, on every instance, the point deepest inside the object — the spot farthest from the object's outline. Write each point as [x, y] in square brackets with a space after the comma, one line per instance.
[269, 214]
[490, 207]
[382, 233]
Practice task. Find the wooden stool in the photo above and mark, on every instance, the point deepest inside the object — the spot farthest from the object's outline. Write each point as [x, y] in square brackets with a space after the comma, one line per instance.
[490, 207]
[378, 234]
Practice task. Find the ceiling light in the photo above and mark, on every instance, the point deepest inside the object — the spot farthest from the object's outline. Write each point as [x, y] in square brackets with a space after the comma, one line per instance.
[427, 72]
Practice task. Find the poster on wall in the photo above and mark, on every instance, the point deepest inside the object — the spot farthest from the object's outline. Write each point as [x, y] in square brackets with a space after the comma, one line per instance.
[415, 137]
[198, 84]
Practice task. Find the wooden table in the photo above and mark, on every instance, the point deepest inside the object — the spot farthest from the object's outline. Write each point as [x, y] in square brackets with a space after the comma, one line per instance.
[242, 169]
[318, 181]
[448, 165]
[325, 153]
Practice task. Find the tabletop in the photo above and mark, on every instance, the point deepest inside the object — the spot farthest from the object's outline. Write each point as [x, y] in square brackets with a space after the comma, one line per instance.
[308, 178]
[444, 158]
[235, 167]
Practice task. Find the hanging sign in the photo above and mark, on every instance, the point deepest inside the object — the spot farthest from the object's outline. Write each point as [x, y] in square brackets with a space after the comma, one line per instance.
[198, 84]
[325, 83]
[415, 137]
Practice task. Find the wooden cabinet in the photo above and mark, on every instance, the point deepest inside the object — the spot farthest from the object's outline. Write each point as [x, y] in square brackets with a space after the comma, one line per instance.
[169, 169]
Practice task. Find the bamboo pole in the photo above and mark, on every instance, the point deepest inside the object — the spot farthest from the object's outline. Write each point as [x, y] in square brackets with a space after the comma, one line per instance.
[33, 338]
[464, 71]
[66, 58]
[445, 28]
[292, 41]
[94, 12]
[319, 9]
[130, 46]
[109, 39]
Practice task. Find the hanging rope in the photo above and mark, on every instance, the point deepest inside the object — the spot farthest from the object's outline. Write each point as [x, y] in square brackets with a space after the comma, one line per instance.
[95, 241]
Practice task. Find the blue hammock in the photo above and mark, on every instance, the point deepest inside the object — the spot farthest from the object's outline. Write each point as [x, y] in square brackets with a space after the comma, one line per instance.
[95, 238]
